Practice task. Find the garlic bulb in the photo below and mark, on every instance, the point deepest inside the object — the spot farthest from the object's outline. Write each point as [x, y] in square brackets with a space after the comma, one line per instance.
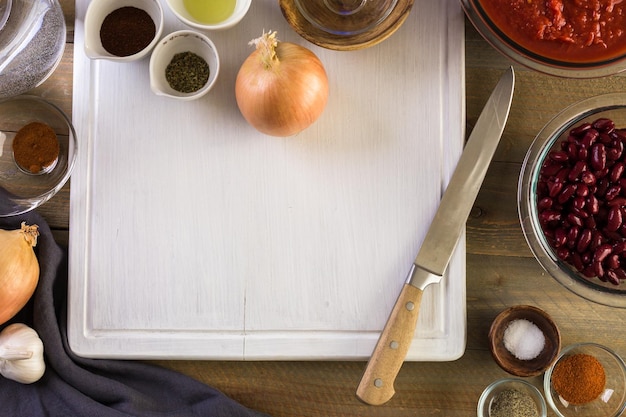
[21, 354]
[19, 269]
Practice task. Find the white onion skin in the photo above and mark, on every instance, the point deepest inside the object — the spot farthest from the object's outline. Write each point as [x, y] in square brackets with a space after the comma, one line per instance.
[286, 97]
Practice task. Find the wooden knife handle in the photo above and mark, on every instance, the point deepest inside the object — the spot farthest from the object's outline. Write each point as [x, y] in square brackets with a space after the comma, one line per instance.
[376, 386]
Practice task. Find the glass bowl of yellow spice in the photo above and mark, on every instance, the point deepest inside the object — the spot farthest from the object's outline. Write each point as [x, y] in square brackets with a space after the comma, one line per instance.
[37, 153]
[587, 379]
[511, 397]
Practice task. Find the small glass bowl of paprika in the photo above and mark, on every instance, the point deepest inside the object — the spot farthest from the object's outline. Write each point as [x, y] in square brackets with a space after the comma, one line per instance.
[35, 169]
[587, 379]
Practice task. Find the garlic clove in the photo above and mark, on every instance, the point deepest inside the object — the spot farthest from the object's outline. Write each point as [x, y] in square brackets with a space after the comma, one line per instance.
[21, 354]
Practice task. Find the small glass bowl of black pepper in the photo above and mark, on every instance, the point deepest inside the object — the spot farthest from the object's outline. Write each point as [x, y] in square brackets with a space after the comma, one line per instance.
[587, 380]
[572, 198]
[122, 30]
[33, 172]
[511, 397]
[184, 65]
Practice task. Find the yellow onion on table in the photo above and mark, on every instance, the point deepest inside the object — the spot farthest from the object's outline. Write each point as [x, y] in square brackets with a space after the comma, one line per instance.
[19, 269]
[281, 88]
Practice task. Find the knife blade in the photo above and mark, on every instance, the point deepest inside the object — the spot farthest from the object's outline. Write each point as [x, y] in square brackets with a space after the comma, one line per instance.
[377, 383]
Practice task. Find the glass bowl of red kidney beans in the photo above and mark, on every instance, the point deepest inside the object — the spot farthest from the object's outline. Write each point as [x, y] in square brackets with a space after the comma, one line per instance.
[572, 198]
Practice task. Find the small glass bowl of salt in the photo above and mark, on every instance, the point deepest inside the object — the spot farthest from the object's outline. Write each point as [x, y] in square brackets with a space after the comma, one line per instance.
[524, 340]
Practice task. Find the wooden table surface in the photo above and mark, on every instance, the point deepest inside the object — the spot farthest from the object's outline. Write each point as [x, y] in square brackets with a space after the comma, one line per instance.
[501, 270]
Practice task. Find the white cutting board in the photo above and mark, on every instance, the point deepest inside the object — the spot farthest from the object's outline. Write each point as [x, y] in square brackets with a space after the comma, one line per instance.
[194, 236]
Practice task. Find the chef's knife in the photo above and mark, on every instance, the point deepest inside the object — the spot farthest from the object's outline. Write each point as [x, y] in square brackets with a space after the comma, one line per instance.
[376, 386]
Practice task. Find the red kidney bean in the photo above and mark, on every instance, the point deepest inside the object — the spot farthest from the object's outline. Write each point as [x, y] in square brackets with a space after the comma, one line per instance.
[602, 186]
[578, 168]
[598, 156]
[604, 138]
[598, 269]
[583, 191]
[545, 203]
[613, 261]
[611, 193]
[550, 169]
[581, 214]
[573, 219]
[568, 192]
[617, 202]
[590, 222]
[571, 148]
[604, 125]
[619, 247]
[596, 240]
[559, 156]
[578, 203]
[617, 171]
[593, 204]
[612, 277]
[580, 129]
[560, 237]
[589, 138]
[620, 272]
[554, 188]
[583, 241]
[588, 177]
[576, 261]
[571, 236]
[602, 252]
[615, 151]
[614, 219]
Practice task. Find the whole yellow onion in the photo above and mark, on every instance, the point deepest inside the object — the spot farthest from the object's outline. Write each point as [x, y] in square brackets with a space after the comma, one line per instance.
[281, 88]
[19, 269]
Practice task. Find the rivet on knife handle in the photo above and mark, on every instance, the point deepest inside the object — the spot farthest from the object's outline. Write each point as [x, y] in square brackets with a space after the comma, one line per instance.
[376, 385]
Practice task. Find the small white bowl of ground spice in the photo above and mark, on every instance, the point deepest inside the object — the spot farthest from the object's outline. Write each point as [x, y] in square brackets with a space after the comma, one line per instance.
[524, 340]
[511, 397]
[122, 30]
[587, 379]
[184, 65]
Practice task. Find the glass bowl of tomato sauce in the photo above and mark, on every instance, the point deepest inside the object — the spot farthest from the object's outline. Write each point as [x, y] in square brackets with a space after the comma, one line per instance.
[573, 39]
[572, 198]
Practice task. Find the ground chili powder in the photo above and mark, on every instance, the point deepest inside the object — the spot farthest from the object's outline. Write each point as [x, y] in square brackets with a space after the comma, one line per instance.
[126, 31]
[579, 378]
[35, 147]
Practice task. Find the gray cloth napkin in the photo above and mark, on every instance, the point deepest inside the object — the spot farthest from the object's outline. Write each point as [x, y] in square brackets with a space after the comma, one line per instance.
[77, 387]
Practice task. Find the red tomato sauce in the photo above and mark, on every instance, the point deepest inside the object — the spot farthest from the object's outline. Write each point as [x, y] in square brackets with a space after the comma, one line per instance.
[580, 31]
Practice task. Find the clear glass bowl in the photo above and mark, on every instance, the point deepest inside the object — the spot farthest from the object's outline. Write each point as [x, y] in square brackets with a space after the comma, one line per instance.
[32, 41]
[345, 17]
[21, 191]
[612, 106]
[611, 403]
[495, 388]
[497, 37]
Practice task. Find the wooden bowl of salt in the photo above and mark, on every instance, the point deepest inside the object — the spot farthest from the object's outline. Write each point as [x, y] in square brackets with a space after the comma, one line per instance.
[524, 340]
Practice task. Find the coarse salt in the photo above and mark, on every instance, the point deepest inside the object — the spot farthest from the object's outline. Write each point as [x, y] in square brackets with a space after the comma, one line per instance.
[524, 339]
